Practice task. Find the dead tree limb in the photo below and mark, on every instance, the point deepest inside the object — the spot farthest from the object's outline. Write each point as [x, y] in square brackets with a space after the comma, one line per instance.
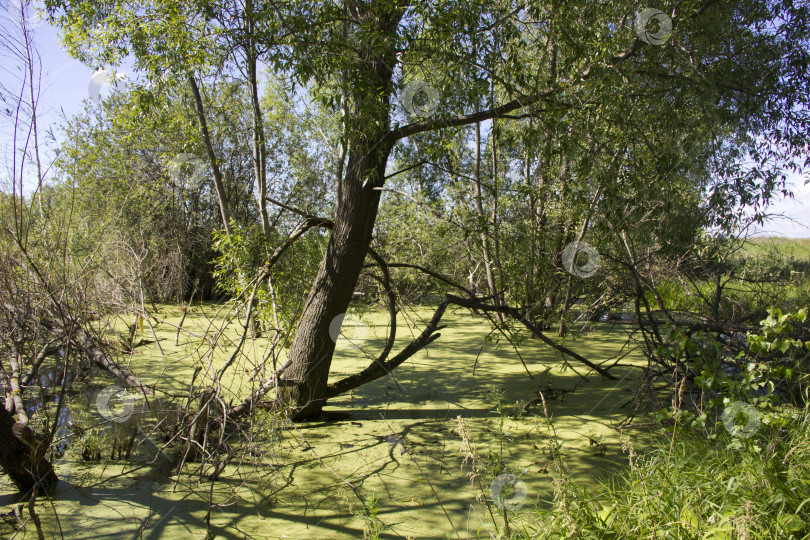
[65, 328]
[93, 351]
[22, 455]
[268, 384]
[432, 274]
[472, 302]
[516, 314]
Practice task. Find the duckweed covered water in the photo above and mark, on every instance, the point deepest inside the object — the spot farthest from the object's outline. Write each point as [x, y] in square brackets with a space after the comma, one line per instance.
[396, 439]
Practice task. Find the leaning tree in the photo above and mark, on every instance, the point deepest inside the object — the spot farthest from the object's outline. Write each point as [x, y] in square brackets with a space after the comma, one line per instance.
[482, 61]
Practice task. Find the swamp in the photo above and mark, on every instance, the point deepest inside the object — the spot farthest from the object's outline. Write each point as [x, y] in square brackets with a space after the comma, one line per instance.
[404, 269]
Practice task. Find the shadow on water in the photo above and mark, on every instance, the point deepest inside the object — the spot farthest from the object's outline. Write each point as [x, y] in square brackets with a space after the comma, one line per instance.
[79, 398]
[396, 438]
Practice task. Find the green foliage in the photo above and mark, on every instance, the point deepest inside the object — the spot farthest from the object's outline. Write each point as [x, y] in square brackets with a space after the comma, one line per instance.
[690, 487]
[769, 373]
[151, 215]
[783, 249]
[787, 357]
[714, 481]
[240, 256]
[373, 526]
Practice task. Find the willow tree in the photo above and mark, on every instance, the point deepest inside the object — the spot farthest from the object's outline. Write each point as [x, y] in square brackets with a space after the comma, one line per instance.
[479, 61]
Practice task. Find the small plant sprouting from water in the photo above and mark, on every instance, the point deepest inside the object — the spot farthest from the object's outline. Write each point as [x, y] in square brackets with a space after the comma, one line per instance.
[373, 526]
[501, 492]
[495, 458]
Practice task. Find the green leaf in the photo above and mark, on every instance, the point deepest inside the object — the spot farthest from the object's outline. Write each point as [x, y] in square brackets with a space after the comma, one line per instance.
[791, 523]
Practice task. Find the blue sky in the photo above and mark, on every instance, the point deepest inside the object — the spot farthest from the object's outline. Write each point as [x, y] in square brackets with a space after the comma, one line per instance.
[65, 88]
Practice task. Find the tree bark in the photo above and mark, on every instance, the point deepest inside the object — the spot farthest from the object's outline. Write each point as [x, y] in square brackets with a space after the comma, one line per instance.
[219, 185]
[312, 347]
[22, 455]
[368, 137]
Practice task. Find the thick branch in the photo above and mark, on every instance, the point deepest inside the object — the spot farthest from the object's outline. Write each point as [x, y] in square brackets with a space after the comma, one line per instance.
[524, 100]
[303, 227]
[430, 273]
[129, 380]
[209, 150]
[380, 369]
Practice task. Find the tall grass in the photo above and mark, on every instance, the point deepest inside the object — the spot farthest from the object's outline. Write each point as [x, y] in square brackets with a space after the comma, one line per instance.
[691, 486]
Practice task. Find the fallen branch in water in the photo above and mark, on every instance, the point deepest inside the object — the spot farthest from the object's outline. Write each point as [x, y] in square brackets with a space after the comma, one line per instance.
[474, 303]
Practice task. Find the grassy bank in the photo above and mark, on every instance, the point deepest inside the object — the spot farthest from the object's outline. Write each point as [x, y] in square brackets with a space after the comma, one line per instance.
[689, 485]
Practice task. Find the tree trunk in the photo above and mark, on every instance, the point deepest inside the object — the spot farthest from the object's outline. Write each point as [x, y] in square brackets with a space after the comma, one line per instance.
[259, 142]
[312, 347]
[369, 140]
[22, 455]
[205, 135]
[479, 208]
